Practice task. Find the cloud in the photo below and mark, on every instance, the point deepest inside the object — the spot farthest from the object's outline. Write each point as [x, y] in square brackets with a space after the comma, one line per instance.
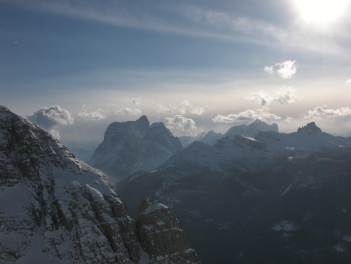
[181, 125]
[129, 111]
[193, 20]
[324, 112]
[50, 118]
[182, 108]
[185, 107]
[246, 117]
[285, 70]
[90, 115]
[283, 96]
[348, 82]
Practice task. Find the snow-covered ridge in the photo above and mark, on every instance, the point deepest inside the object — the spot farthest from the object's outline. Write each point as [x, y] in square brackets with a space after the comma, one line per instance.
[55, 208]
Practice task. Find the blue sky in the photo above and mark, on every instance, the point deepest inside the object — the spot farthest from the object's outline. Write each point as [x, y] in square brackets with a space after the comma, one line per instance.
[114, 60]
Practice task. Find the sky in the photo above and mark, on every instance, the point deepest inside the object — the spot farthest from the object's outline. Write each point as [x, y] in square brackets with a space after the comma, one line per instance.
[73, 67]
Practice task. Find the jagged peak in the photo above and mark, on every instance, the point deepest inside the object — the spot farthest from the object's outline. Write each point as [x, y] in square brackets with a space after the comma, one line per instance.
[143, 119]
[259, 122]
[310, 129]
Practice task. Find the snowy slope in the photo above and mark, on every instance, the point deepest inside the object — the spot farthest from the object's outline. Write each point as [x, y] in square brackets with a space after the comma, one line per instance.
[55, 208]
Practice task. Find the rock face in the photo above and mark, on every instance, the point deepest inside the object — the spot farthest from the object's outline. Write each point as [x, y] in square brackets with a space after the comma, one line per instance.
[251, 130]
[55, 208]
[310, 129]
[134, 146]
[161, 235]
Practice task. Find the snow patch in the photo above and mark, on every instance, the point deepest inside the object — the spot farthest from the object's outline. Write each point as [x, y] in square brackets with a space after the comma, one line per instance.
[285, 226]
[154, 207]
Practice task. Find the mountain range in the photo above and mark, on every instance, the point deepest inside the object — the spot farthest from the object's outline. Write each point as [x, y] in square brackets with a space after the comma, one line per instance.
[272, 198]
[251, 195]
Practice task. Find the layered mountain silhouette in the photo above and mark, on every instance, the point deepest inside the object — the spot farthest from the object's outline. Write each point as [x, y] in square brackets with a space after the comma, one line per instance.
[134, 146]
[56, 209]
[272, 198]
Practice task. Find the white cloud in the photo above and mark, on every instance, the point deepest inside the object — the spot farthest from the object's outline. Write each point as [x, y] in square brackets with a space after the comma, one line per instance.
[246, 117]
[285, 70]
[348, 82]
[194, 21]
[129, 111]
[269, 70]
[282, 96]
[181, 125]
[324, 112]
[51, 117]
[90, 115]
[185, 107]
[182, 108]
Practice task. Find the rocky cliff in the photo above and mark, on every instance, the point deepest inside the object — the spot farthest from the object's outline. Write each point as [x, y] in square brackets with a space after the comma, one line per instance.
[134, 146]
[57, 209]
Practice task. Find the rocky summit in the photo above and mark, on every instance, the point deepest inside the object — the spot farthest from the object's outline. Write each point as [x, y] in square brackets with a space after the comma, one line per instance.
[57, 209]
[134, 146]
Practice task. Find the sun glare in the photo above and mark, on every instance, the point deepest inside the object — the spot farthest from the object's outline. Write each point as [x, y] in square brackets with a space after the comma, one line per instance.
[321, 12]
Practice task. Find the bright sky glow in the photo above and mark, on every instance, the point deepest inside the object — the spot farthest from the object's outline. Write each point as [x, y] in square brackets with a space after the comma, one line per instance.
[321, 12]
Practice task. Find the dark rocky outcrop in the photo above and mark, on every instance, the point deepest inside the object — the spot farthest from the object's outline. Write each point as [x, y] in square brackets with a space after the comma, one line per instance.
[162, 236]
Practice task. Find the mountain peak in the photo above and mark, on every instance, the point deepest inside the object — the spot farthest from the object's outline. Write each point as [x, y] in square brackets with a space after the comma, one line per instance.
[252, 129]
[258, 122]
[263, 125]
[143, 118]
[134, 146]
[310, 129]
[143, 122]
[4, 112]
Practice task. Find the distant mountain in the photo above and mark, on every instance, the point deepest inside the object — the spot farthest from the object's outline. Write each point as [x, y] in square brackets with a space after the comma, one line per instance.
[186, 140]
[251, 130]
[306, 139]
[57, 209]
[83, 150]
[134, 146]
[210, 137]
[289, 192]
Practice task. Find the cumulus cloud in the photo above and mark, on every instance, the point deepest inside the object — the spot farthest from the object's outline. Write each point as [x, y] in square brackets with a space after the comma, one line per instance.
[186, 107]
[348, 82]
[246, 117]
[285, 70]
[283, 96]
[181, 125]
[50, 118]
[324, 112]
[91, 115]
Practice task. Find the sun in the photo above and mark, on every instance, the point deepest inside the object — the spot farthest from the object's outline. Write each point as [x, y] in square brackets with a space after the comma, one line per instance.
[321, 12]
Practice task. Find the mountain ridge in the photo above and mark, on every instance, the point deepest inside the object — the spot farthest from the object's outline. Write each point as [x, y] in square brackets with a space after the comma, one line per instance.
[56, 209]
